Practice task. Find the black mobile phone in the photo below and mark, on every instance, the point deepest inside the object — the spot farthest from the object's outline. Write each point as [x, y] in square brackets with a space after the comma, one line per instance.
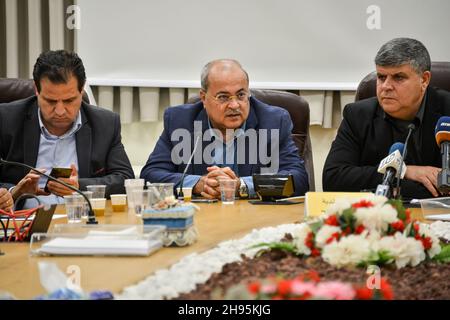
[201, 200]
[59, 173]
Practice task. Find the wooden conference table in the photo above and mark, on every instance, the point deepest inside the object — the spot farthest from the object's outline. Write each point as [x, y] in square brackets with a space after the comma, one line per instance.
[215, 223]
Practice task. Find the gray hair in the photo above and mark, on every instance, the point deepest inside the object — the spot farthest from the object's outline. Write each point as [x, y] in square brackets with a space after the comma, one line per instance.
[399, 51]
[207, 68]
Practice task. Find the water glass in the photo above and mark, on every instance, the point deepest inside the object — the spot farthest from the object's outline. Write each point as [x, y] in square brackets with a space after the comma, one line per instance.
[74, 207]
[227, 190]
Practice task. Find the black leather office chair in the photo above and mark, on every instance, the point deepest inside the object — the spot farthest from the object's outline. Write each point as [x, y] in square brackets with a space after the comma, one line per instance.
[440, 78]
[298, 109]
[12, 89]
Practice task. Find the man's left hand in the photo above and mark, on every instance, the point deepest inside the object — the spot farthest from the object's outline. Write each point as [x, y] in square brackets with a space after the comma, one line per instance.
[212, 185]
[60, 190]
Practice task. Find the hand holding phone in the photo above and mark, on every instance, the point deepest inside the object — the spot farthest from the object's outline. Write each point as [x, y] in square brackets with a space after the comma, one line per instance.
[59, 173]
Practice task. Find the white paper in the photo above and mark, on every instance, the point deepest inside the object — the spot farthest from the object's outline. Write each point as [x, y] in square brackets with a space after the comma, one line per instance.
[443, 217]
[100, 246]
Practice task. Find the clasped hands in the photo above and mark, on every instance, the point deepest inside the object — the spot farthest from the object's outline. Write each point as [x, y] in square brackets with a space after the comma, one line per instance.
[209, 187]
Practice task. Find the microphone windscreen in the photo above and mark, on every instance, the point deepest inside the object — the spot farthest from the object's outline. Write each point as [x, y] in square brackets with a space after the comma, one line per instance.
[397, 146]
[442, 130]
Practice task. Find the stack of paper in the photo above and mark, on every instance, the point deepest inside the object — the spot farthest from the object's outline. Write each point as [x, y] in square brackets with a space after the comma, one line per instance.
[100, 246]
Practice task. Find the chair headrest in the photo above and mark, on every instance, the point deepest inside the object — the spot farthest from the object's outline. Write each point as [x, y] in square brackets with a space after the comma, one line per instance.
[12, 89]
[440, 78]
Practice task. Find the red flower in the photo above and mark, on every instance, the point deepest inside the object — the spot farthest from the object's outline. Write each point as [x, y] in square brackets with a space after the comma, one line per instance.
[347, 231]
[332, 220]
[309, 240]
[360, 229]
[334, 236]
[386, 289]
[398, 225]
[284, 287]
[254, 287]
[408, 215]
[315, 252]
[313, 276]
[362, 204]
[363, 293]
[426, 242]
[416, 227]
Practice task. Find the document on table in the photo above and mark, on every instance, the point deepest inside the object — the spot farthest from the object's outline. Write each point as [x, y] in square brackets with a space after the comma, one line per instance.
[101, 246]
[442, 217]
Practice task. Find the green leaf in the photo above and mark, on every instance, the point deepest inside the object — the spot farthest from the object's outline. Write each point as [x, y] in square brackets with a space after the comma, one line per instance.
[285, 246]
[444, 255]
[316, 226]
[347, 219]
[398, 205]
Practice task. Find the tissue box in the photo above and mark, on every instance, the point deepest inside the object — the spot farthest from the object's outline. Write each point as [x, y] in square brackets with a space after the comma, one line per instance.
[181, 217]
[179, 223]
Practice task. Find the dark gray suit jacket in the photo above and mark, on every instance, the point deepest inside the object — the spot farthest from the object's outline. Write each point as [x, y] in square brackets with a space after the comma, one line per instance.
[364, 139]
[101, 155]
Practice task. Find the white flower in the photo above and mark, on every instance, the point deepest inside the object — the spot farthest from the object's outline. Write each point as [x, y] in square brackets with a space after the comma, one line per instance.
[425, 230]
[299, 239]
[376, 218]
[338, 206]
[375, 200]
[324, 234]
[350, 250]
[404, 250]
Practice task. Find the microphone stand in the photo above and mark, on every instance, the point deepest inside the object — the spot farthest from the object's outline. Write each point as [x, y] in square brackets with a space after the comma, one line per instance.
[91, 215]
[411, 128]
[180, 194]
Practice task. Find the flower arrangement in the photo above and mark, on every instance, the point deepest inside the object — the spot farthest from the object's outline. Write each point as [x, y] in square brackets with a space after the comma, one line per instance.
[308, 286]
[372, 230]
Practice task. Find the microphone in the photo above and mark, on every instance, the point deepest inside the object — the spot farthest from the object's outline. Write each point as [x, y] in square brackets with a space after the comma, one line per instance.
[411, 128]
[91, 215]
[389, 166]
[180, 194]
[442, 133]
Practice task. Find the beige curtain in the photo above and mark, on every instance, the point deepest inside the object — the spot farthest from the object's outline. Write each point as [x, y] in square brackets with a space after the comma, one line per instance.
[27, 27]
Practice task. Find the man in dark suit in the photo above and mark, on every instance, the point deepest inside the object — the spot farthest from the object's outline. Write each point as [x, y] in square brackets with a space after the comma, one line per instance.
[369, 127]
[56, 128]
[231, 127]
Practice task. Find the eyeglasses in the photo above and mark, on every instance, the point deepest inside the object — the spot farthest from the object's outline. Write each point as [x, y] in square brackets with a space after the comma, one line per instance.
[225, 98]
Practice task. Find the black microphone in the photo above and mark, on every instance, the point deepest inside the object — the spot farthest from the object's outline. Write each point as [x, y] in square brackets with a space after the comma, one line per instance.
[180, 194]
[389, 166]
[411, 128]
[91, 215]
[442, 133]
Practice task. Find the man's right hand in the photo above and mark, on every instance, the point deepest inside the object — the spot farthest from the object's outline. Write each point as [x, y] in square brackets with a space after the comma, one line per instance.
[29, 184]
[208, 185]
[426, 175]
[6, 200]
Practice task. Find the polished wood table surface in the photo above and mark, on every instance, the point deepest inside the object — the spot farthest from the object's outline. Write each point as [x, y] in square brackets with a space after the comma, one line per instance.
[215, 223]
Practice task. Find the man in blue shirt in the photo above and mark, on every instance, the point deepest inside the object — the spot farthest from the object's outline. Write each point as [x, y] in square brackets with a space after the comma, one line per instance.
[235, 134]
[56, 128]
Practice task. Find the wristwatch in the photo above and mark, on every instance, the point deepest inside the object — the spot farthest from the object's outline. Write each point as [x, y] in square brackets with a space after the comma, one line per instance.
[243, 190]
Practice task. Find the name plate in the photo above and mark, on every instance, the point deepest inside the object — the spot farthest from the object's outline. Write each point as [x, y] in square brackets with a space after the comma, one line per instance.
[317, 202]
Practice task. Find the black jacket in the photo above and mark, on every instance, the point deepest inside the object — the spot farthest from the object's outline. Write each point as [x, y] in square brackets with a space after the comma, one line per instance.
[364, 138]
[101, 155]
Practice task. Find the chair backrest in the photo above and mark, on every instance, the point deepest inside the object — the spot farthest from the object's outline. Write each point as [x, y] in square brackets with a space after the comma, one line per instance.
[298, 109]
[440, 78]
[12, 89]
